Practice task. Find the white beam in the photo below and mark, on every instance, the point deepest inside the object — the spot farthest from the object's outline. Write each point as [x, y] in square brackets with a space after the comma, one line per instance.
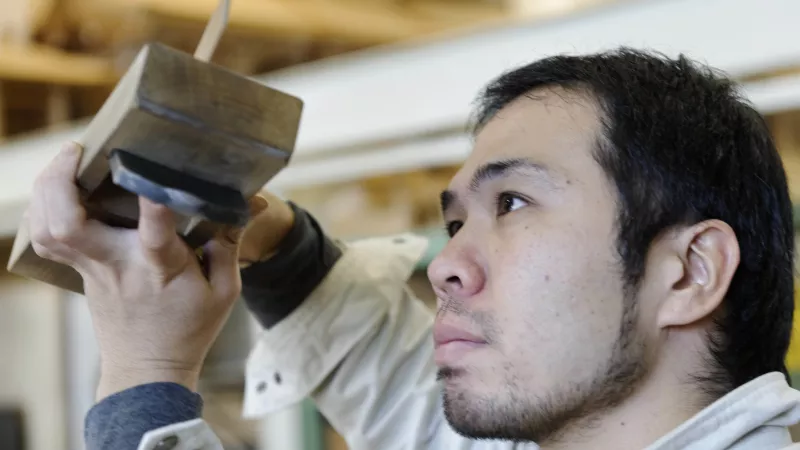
[775, 95]
[406, 89]
[404, 157]
[770, 96]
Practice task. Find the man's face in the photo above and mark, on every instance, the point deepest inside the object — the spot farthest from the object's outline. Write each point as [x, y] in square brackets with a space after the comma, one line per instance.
[530, 332]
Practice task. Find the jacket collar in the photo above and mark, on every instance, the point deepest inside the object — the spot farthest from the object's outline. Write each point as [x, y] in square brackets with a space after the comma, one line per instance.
[755, 416]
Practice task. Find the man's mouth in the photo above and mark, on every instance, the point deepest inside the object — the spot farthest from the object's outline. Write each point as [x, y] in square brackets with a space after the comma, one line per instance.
[451, 343]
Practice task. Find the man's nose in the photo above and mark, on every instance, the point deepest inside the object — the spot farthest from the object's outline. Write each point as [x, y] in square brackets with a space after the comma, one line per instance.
[454, 273]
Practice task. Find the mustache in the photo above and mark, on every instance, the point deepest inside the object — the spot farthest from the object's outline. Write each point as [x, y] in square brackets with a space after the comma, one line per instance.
[482, 320]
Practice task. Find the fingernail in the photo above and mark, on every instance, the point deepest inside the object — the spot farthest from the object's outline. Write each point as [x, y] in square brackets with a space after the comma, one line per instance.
[70, 149]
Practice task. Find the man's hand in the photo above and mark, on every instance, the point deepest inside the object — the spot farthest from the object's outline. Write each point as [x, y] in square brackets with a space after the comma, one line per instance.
[154, 312]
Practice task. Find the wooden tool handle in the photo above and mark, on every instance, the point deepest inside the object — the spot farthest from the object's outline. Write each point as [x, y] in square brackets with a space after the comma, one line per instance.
[213, 32]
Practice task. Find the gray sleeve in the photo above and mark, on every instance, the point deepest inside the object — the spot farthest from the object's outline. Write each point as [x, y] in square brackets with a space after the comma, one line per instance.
[119, 421]
[274, 288]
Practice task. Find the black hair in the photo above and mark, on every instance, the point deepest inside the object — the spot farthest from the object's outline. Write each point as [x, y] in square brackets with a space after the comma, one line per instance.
[682, 146]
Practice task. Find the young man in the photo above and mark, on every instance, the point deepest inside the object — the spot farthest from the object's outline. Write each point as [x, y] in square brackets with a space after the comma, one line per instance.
[619, 275]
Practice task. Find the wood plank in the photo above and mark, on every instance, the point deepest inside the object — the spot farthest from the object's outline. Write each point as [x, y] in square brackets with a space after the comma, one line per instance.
[194, 118]
[785, 128]
[360, 23]
[793, 355]
[460, 13]
[48, 65]
[58, 105]
[21, 19]
[3, 124]
[318, 19]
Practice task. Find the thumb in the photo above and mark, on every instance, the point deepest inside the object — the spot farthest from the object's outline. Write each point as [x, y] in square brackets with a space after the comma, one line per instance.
[257, 205]
[222, 263]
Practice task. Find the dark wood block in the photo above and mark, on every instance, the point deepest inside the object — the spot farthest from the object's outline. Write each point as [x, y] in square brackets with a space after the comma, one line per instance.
[188, 116]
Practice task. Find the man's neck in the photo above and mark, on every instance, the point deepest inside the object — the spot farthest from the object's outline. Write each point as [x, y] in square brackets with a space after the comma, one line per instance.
[660, 404]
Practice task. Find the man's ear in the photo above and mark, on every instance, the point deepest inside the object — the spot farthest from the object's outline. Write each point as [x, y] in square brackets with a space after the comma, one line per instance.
[709, 254]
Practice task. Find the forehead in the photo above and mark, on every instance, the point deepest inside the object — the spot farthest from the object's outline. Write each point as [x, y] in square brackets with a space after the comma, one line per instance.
[555, 128]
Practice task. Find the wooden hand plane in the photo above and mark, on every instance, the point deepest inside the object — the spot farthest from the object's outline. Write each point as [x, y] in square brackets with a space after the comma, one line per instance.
[182, 132]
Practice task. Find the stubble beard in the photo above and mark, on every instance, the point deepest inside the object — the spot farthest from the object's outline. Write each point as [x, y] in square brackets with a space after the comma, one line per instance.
[554, 416]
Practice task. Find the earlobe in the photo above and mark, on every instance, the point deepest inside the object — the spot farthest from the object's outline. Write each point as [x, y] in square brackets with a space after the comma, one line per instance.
[710, 255]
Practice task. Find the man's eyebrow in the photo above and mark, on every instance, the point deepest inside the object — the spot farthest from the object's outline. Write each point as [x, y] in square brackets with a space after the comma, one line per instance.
[447, 198]
[501, 168]
[497, 169]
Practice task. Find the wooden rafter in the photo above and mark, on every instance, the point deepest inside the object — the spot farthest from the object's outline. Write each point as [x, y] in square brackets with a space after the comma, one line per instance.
[47, 65]
[358, 23]
[784, 129]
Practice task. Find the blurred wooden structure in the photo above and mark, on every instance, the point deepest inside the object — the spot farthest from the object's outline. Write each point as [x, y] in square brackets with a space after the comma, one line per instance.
[59, 58]
[786, 131]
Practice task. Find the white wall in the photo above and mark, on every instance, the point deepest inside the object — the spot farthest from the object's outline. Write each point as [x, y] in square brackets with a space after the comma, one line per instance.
[31, 374]
[81, 366]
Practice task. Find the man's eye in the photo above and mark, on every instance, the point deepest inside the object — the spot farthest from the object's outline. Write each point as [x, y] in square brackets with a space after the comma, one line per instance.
[507, 203]
[453, 227]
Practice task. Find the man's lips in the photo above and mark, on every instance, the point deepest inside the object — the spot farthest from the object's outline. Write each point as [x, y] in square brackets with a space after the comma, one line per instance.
[445, 334]
[452, 343]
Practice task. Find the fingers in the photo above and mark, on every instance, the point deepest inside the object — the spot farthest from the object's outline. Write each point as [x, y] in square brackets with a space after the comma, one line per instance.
[57, 221]
[35, 221]
[61, 196]
[160, 243]
[223, 268]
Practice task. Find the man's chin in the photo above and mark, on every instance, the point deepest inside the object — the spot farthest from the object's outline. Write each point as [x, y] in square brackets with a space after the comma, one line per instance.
[449, 374]
[476, 411]
[462, 412]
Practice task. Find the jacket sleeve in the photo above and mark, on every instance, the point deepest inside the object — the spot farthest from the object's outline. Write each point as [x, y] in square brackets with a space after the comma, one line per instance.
[272, 289]
[148, 417]
[361, 347]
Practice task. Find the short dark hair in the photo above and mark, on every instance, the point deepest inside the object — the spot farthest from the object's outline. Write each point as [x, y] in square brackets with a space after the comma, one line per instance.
[682, 146]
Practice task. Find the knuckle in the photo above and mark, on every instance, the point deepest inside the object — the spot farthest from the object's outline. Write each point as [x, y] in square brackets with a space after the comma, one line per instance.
[40, 236]
[67, 232]
[228, 292]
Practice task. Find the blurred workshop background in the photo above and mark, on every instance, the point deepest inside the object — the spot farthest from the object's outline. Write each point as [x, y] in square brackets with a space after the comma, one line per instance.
[387, 86]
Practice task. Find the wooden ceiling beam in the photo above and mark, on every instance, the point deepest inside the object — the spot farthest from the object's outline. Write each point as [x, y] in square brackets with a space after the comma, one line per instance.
[324, 19]
[455, 12]
[358, 23]
[785, 131]
[38, 63]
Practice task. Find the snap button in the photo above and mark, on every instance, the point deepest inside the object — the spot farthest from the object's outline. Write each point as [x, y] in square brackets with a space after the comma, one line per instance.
[278, 378]
[261, 387]
[168, 443]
